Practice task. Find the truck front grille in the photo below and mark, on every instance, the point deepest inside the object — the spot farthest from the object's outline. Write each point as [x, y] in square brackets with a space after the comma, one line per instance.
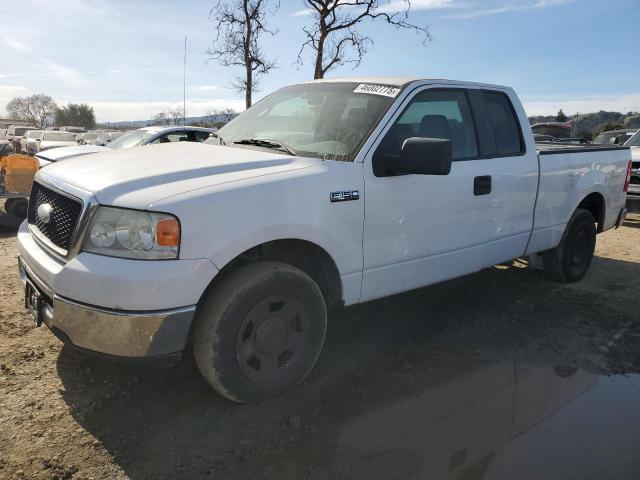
[64, 215]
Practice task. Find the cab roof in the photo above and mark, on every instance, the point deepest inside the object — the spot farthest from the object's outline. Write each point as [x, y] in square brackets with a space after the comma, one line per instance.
[399, 81]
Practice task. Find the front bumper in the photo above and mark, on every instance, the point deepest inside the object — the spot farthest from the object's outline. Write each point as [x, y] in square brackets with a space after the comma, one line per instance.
[120, 333]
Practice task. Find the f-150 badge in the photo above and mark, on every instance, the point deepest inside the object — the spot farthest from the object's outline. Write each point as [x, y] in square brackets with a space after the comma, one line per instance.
[344, 196]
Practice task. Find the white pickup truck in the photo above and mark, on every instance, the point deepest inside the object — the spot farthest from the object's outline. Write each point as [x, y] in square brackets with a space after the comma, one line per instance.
[324, 193]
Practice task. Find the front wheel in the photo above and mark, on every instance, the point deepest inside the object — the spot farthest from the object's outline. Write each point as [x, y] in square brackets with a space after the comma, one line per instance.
[570, 260]
[260, 331]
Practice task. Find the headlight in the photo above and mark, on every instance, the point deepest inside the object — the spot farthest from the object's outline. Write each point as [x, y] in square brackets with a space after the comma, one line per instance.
[120, 232]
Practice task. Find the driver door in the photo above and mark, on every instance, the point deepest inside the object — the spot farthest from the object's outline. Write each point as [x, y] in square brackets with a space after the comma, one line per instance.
[422, 229]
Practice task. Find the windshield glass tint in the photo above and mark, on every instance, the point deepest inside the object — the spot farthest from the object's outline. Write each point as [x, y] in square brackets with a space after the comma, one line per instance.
[58, 137]
[323, 120]
[20, 131]
[131, 139]
[90, 136]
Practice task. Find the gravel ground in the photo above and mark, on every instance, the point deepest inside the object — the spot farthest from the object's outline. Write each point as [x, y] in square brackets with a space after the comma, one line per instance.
[64, 415]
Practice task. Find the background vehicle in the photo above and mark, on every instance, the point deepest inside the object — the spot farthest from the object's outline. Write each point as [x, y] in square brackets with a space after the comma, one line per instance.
[614, 137]
[322, 194]
[634, 186]
[15, 133]
[54, 139]
[555, 130]
[88, 138]
[5, 145]
[105, 138]
[73, 129]
[134, 138]
[5, 148]
[28, 144]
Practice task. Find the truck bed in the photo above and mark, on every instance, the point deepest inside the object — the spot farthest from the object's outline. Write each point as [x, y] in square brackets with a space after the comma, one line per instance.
[553, 148]
[574, 172]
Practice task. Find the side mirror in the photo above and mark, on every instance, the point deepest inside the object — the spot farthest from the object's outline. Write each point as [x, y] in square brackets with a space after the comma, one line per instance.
[424, 156]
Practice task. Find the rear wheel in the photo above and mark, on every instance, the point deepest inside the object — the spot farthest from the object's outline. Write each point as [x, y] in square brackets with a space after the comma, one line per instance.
[260, 331]
[16, 207]
[570, 260]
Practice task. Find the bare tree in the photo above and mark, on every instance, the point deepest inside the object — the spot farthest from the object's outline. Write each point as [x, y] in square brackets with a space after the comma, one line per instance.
[160, 118]
[38, 110]
[227, 114]
[239, 25]
[176, 115]
[334, 37]
[209, 119]
[218, 118]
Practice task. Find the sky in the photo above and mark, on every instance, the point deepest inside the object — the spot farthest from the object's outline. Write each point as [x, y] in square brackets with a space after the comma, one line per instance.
[125, 57]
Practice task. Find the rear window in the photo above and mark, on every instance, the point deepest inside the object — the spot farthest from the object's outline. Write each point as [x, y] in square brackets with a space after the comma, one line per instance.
[505, 124]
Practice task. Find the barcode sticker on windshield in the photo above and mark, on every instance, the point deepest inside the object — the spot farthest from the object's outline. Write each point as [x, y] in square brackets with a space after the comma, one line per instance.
[375, 89]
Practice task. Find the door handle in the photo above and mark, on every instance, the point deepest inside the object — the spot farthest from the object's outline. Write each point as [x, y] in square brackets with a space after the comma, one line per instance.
[482, 185]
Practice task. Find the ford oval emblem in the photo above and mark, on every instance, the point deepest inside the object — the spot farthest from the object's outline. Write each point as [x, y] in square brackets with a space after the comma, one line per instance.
[44, 212]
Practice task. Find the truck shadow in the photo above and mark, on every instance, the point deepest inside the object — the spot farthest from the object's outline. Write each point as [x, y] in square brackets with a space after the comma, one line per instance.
[167, 423]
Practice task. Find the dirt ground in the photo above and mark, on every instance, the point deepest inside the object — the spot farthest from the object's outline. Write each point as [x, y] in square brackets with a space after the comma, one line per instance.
[64, 415]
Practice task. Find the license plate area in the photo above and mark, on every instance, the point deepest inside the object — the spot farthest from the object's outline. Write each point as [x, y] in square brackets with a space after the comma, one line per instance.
[33, 302]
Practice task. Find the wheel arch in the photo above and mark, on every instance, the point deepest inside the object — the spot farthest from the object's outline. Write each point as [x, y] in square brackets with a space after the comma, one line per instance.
[595, 203]
[305, 255]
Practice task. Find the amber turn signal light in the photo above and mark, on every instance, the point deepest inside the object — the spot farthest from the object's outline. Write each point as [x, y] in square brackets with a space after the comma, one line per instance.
[168, 233]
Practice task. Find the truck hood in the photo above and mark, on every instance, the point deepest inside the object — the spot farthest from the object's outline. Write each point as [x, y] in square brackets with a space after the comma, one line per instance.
[67, 152]
[139, 176]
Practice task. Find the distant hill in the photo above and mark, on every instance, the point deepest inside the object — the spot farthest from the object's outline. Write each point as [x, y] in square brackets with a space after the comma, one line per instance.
[589, 125]
[130, 124]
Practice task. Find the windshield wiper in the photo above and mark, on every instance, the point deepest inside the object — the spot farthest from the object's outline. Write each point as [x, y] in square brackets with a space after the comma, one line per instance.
[267, 143]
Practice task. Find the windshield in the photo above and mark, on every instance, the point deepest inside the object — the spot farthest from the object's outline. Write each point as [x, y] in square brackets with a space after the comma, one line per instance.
[58, 137]
[612, 138]
[20, 131]
[90, 136]
[131, 139]
[634, 141]
[323, 120]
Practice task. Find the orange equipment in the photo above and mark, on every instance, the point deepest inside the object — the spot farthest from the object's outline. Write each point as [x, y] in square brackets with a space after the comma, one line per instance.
[16, 174]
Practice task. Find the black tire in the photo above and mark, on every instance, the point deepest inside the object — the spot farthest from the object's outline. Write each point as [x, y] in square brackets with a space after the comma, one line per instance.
[570, 260]
[16, 207]
[260, 331]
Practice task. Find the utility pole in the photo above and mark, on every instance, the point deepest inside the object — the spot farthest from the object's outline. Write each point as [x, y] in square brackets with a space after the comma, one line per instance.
[184, 85]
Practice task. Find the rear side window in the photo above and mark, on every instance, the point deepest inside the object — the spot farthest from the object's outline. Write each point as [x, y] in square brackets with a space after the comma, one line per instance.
[505, 124]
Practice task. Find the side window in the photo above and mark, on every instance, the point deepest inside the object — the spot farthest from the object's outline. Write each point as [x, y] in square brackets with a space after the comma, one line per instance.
[434, 114]
[201, 136]
[171, 137]
[506, 127]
